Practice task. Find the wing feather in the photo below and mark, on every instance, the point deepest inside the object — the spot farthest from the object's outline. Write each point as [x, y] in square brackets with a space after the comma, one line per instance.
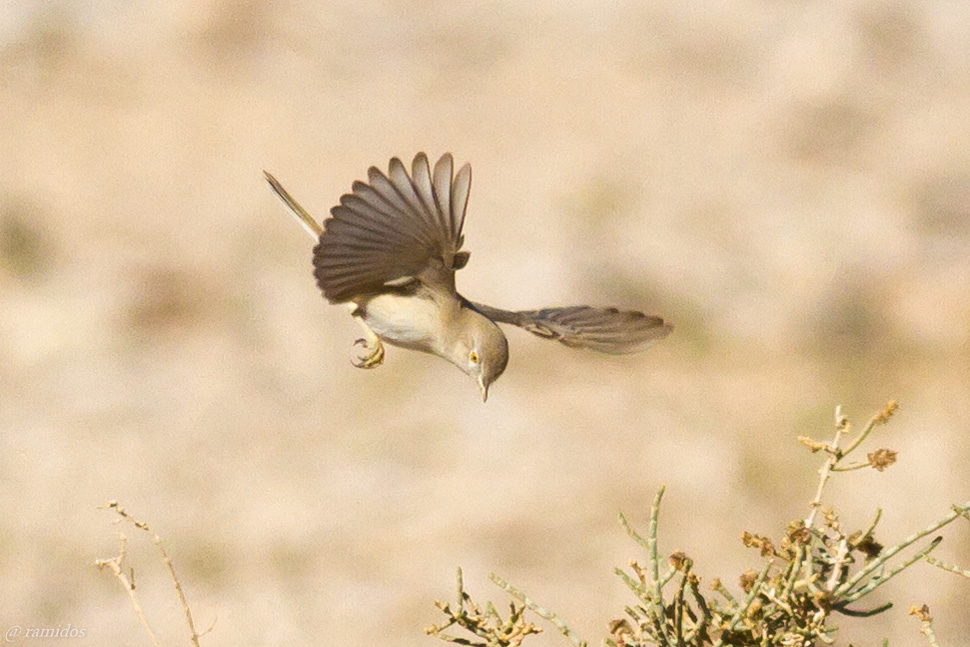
[605, 330]
[443, 171]
[421, 177]
[393, 226]
[460, 190]
[401, 181]
[381, 210]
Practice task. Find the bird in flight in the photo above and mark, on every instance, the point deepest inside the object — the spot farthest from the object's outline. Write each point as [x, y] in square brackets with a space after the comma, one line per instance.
[390, 251]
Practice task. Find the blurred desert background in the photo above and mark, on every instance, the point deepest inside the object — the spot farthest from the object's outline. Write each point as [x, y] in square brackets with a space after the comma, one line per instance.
[788, 183]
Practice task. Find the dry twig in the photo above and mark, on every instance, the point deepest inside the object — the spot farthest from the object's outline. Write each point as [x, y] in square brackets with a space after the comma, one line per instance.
[115, 565]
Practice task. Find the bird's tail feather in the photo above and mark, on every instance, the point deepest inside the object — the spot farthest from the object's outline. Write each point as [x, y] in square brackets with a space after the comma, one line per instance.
[310, 225]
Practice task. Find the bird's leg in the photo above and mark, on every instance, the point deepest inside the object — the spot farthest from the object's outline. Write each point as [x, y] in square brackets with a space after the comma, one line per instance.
[371, 342]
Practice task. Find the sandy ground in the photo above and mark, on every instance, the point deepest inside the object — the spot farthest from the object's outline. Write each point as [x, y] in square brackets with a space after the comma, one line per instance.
[788, 183]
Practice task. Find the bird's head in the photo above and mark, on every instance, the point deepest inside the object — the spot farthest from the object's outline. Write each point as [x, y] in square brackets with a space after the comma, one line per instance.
[480, 350]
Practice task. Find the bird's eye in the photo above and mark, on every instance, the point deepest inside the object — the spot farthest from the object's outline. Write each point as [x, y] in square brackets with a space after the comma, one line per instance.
[473, 357]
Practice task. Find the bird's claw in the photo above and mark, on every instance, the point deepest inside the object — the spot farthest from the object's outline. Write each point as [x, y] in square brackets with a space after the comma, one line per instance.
[372, 360]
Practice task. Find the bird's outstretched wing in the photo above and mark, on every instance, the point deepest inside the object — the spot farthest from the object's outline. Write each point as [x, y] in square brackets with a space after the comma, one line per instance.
[393, 227]
[605, 330]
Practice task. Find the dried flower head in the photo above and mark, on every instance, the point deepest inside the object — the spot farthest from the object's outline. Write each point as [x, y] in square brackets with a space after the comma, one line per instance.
[923, 613]
[882, 458]
[883, 416]
[679, 560]
[747, 580]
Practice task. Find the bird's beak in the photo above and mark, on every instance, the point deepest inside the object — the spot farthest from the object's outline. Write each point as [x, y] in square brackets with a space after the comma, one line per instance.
[484, 387]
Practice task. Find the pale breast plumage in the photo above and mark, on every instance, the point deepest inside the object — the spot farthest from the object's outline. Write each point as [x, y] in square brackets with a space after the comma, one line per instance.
[403, 320]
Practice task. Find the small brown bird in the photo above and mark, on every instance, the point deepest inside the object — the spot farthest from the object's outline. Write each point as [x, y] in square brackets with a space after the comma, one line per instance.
[390, 250]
